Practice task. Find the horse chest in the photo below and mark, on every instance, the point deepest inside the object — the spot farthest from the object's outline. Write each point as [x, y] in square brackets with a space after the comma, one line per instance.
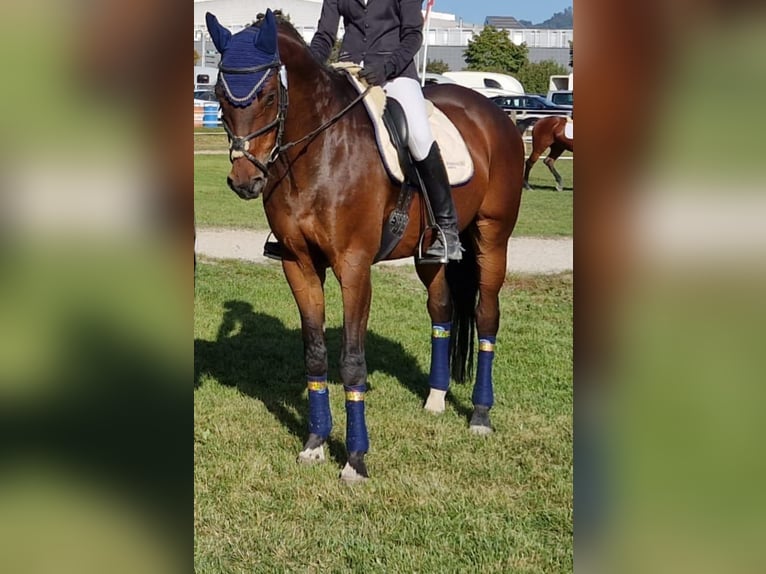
[295, 223]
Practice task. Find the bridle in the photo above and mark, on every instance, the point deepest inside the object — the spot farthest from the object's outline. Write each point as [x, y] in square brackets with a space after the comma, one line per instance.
[240, 144]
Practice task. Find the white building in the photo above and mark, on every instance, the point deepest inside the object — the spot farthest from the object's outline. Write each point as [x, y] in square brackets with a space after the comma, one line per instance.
[446, 33]
[445, 29]
[235, 14]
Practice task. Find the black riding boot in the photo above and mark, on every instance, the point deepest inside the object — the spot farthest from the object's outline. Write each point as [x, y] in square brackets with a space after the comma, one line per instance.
[437, 186]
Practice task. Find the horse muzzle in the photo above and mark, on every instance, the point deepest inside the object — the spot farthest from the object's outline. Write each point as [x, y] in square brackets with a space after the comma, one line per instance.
[250, 189]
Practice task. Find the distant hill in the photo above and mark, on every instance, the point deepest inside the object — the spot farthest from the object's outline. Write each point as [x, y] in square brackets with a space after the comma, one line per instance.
[559, 21]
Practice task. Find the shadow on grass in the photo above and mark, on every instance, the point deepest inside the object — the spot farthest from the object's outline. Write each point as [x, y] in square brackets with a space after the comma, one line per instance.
[256, 354]
[551, 187]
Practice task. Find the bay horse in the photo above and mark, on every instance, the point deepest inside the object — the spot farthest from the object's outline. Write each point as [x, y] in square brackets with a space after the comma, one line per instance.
[547, 132]
[326, 195]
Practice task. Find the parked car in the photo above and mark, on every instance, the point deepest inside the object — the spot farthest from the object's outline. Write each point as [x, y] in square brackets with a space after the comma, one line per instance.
[530, 105]
[562, 98]
[202, 97]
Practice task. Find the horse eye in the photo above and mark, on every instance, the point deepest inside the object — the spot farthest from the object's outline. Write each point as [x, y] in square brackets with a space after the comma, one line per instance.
[270, 99]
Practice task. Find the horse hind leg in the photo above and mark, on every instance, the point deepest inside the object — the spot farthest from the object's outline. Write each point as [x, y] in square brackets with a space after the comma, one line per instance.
[556, 151]
[534, 156]
[482, 273]
[492, 247]
[440, 310]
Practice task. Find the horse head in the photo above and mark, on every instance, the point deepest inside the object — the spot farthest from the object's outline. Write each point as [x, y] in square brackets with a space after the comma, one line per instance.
[252, 91]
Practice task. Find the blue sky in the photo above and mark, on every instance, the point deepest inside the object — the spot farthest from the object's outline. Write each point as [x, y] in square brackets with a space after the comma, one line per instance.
[474, 11]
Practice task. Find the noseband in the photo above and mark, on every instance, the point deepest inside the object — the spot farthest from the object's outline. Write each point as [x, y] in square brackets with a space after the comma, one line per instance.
[241, 144]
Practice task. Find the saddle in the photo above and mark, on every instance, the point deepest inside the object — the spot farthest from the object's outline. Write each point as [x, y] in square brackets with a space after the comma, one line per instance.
[457, 160]
[391, 134]
[569, 129]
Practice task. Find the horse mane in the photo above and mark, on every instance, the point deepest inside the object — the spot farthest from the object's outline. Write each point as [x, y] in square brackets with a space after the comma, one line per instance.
[287, 27]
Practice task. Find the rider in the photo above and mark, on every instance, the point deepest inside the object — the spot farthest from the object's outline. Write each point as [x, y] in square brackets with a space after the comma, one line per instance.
[384, 38]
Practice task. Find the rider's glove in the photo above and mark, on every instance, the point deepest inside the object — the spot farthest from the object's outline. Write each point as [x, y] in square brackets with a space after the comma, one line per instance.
[376, 74]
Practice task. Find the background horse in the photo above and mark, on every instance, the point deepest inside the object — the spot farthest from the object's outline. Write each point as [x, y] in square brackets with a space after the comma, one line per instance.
[547, 132]
[327, 194]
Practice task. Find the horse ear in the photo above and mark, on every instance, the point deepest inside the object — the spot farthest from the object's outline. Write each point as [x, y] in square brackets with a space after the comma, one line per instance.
[218, 33]
[267, 38]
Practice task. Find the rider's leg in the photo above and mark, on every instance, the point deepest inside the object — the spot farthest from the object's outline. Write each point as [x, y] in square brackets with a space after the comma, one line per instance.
[429, 163]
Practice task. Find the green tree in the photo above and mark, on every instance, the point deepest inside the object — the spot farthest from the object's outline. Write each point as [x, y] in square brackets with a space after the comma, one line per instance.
[534, 76]
[278, 14]
[493, 51]
[437, 67]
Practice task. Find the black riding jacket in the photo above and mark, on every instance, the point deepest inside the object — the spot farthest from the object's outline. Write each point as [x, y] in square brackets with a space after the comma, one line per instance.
[390, 31]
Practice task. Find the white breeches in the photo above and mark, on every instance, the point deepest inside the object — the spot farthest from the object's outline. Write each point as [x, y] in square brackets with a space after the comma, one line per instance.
[409, 94]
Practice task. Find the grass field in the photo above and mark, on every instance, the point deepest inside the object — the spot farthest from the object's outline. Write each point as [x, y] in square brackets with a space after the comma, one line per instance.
[215, 205]
[440, 499]
[544, 211]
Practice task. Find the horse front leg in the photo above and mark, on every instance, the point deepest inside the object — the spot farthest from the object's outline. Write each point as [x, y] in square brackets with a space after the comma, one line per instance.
[356, 288]
[534, 156]
[307, 286]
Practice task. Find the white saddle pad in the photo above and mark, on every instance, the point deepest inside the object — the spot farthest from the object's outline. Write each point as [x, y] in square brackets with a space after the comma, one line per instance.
[454, 151]
[569, 129]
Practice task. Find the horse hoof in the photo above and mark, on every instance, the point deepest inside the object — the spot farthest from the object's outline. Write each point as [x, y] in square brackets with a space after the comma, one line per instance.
[349, 475]
[312, 455]
[480, 430]
[480, 424]
[435, 401]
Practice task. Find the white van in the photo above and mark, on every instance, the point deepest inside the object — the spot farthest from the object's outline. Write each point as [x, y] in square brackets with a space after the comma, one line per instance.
[437, 79]
[205, 77]
[488, 83]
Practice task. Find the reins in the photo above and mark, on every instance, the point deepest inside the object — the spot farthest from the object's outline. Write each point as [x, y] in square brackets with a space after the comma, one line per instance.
[328, 123]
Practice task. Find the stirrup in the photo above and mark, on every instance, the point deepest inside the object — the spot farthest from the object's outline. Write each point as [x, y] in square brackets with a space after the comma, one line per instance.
[272, 249]
[433, 258]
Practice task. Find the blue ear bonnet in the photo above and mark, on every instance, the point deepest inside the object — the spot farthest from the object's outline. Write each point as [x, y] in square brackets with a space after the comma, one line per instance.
[250, 48]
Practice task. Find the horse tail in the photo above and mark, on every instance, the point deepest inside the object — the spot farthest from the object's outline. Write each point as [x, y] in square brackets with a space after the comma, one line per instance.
[463, 282]
[525, 123]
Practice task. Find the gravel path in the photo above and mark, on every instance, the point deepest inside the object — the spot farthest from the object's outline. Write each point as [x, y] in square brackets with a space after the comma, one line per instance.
[525, 254]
